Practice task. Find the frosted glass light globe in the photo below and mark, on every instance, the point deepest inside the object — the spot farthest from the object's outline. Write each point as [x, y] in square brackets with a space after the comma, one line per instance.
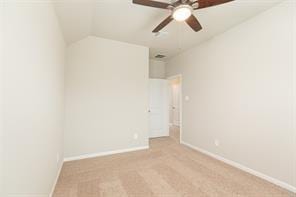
[182, 13]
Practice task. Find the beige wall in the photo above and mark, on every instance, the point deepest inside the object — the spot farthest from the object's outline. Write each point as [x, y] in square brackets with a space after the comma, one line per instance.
[240, 86]
[156, 69]
[106, 97]
[33, 98]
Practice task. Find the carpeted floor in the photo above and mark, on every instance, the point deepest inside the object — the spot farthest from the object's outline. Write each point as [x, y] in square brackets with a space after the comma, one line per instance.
[167, 169]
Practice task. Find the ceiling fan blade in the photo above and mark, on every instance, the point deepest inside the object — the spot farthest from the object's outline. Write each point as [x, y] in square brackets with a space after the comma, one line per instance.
[193, 23]
[209, 3]
[163, 24]
[154, 4]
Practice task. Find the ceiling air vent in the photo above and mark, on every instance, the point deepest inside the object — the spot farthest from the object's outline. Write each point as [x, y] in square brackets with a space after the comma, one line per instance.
[159, 56]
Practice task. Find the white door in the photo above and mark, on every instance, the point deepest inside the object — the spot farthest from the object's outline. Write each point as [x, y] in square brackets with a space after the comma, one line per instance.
[158, 108]
[175, 103]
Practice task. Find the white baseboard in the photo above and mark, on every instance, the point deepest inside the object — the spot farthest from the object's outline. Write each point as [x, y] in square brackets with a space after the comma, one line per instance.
[86, 156]
[56, 179]
[158, 136]
[244, 168]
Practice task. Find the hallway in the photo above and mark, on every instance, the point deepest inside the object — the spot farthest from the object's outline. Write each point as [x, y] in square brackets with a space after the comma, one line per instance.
[175, 133]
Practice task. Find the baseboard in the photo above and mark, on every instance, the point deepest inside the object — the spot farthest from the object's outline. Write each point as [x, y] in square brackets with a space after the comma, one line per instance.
[86, 156]
[244, 168]
[56, 179]
[158, 136]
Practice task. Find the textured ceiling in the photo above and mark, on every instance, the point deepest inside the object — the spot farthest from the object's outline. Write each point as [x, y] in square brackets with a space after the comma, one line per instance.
[124, 21]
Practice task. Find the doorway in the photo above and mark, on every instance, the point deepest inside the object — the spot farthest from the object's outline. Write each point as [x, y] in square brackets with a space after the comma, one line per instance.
[175, 107]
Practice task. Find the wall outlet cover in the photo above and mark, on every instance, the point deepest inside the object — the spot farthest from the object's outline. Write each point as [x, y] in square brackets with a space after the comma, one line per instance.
[58, 157]
[217, 142]
[136, 136]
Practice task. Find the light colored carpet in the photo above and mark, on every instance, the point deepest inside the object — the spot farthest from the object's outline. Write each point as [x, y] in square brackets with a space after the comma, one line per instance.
[167, 169]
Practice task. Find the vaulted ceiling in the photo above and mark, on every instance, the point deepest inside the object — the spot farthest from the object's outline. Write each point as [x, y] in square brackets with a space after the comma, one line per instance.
[124, 21]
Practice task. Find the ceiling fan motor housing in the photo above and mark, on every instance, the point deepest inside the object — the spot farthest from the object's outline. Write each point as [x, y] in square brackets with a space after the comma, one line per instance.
[182, 12]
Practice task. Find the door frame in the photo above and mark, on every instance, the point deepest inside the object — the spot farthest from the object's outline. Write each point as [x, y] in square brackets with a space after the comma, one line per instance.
[180, 101]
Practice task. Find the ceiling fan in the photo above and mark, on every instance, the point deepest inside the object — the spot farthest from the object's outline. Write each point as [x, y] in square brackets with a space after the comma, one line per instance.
[181, 10]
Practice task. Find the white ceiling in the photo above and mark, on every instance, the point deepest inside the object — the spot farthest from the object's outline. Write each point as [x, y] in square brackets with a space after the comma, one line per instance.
[124, 21]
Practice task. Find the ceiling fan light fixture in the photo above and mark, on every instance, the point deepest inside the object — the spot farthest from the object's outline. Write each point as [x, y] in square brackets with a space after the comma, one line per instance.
[182, 12]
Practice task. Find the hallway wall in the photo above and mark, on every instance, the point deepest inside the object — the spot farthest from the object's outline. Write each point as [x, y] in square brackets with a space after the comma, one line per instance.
[156, 69]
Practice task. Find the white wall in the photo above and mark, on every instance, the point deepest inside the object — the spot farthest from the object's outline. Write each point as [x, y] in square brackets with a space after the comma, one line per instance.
[33, 98]
[293, 7]
[1, 96]
[156, 69]
[294, 91]
[240, 86]
[106, 96]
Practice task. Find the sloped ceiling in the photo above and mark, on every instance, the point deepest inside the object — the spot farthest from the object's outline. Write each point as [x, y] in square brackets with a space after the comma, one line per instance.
[124, 21]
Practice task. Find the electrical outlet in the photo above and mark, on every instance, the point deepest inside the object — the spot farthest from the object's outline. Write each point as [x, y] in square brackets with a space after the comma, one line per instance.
[136, 136]
[58, 157]
[217, 142]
